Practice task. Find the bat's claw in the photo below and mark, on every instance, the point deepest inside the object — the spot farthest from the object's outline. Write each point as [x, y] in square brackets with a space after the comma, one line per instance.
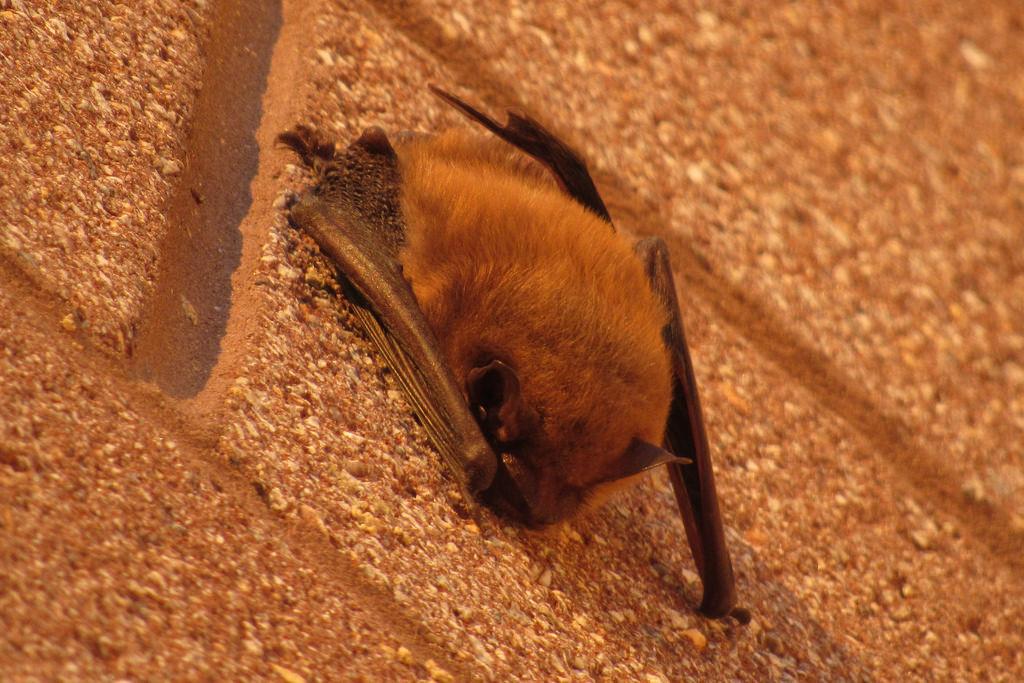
[741, 615]
[308, 145]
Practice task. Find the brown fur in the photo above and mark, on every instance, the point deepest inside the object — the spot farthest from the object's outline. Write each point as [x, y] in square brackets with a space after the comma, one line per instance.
[505, 265]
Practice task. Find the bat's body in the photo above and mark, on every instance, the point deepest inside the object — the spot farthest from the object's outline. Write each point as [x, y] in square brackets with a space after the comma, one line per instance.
[505, 266]
[543, 352]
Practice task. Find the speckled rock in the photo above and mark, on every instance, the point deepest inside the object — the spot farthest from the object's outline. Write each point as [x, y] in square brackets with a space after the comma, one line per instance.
[841, 188]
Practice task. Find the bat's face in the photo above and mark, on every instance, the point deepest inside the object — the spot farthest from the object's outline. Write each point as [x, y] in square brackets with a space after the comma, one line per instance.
[536, 496]
[532, 481]
[559, 445]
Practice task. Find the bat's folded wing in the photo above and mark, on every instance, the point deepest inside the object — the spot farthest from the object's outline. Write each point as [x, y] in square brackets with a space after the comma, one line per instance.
[353, 214]
[694, 482]
[529, 136]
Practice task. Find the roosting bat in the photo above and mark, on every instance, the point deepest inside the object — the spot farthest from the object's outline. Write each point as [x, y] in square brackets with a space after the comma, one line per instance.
[543, 353]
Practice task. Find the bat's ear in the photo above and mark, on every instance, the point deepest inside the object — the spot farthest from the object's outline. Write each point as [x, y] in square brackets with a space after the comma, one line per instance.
[641, 456]
[495, 399]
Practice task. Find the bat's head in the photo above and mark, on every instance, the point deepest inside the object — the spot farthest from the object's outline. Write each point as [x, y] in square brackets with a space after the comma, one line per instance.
[556, 458]
[545, 316]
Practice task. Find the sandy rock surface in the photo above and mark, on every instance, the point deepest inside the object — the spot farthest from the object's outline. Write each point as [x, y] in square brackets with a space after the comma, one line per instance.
[205, 471]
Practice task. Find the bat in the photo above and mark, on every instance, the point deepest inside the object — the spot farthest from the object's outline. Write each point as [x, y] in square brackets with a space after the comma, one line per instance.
[543, 353]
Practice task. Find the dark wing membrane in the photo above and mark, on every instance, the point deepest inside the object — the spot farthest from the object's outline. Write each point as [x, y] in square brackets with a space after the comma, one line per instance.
[353, 214]
[526, 134]
[694, 483]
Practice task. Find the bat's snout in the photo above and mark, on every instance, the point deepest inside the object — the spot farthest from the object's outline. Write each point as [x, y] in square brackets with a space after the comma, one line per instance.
[504, 498]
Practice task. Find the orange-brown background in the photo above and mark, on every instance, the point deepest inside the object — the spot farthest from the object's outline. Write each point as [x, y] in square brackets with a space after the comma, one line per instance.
[205, 473]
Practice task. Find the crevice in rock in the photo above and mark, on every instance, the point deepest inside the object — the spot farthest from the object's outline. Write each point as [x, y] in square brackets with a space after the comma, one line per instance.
[181, 331]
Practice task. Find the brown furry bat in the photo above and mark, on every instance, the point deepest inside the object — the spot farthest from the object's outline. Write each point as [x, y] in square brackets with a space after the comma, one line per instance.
[543, 352]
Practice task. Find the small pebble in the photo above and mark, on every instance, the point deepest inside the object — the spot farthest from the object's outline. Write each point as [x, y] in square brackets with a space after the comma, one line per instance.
[190, 311]
[974, 55]
[677, 620]
[545, 578]
[733, 397]
[357, 468]
[974, 490]
[312, 518]
[901, 613]
[696, 174]
[698, 639]
[287, 675]
[437, 673]
[170, 167]
[281, 201]
[277, 501]
[921, 539]
[314, 278]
